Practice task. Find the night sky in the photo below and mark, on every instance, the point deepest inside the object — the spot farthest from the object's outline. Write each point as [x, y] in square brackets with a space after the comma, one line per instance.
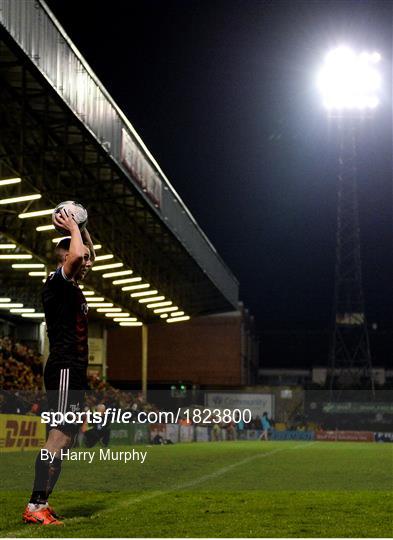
[223, 95]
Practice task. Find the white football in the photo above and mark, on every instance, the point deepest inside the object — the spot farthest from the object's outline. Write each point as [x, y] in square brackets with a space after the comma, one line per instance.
[76, 210]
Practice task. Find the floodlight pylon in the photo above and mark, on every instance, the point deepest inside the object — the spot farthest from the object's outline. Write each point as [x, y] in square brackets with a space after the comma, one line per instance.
[350, 356]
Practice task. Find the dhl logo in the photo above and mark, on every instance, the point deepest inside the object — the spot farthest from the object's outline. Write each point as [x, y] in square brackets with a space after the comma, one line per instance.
[21, 434]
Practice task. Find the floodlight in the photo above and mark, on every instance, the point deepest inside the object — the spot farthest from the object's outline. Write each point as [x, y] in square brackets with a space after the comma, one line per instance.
[126, 280]
[134, 287]
[22, 198]
[107, 310]
[125, 319]
[34, 315]
[7, 246]
[143, 293]
[99, 304]
[97, 246]
[350, 81]
[87, 293]
[117, 314]
[18, 266]
[130, 323]
[103, 257]
[115, 274]
[151, 299]
[37, 274]
[22, 310]
[107, 266]
[36, 213]
[16, 256]
[9, 181]
[12, 305]
[42, 228]
[177, 314]
[96, 299]
[166, 309]
[178, 319]
[159, 304]
[2, 300]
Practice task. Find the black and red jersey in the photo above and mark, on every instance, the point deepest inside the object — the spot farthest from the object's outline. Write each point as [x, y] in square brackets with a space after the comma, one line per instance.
[65, 310]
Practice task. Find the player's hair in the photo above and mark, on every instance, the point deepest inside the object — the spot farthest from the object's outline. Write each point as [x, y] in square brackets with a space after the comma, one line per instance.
[61, 248]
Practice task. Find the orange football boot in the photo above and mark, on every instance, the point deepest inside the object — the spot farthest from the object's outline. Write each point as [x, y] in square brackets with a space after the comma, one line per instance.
[40, 517]
[54, 513]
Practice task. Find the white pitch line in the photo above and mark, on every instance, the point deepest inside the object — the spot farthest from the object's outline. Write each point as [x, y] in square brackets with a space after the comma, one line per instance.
[307, 444]
[205, 478]
[197, 481]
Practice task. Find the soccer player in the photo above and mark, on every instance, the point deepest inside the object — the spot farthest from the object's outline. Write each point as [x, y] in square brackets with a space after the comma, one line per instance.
[65, 373]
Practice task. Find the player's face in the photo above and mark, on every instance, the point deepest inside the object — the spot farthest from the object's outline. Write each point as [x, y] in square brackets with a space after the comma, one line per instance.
[86, 265]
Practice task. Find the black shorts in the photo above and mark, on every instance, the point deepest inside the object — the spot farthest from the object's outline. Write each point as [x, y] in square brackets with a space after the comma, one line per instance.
[65, 392]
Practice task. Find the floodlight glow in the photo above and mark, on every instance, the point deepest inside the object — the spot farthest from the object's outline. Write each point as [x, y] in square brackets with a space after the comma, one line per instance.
[8, 306]
[130, 323]
[164, 315]
[177, 314]
[115, 274]
[97, 246]
[87, 293]
[178, 319]
[34, 315]
[37, 274]
[159, 304]
[166, 310]
[126, 315]
[126, 319]
[7, 246]
[22, 198]
[135, 287]
[151, 299]
[99, 304]
[96, 299]
[22, 310]
[109, 310]
[2, 300]
[349, 80]
[127, 280]
[103, 257]
[41, 228]
[16, 256]
[27, 265]
[143, 293]
[9, 181]
[106, 266]
[36, 213]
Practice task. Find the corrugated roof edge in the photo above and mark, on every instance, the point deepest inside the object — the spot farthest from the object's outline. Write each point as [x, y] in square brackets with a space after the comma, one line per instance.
[132, 129]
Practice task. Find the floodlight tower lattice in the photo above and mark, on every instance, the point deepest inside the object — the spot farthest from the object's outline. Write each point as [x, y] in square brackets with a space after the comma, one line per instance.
[348, 83]
[350, 355]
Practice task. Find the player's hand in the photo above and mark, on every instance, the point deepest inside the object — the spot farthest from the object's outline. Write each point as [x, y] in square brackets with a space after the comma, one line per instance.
[65, 221]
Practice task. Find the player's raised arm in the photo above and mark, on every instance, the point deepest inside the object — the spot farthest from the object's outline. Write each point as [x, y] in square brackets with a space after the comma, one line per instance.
[88, 242]
[74, 257]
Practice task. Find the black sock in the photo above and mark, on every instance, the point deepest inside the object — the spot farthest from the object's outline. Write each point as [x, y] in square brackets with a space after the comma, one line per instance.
[54, 473]
[46, 475]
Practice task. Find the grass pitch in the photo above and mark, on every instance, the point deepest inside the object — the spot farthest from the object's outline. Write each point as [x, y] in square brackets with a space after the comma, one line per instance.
[227, 489]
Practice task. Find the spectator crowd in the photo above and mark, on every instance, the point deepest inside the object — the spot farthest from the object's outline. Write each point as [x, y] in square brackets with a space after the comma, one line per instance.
[21, 384]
